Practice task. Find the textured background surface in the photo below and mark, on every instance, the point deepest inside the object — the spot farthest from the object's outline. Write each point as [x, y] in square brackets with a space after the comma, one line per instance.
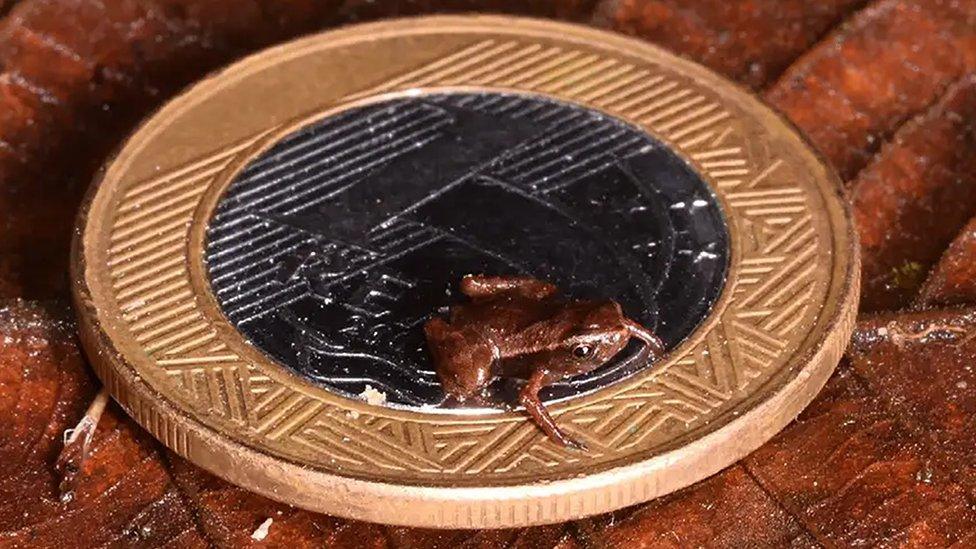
[882, 457]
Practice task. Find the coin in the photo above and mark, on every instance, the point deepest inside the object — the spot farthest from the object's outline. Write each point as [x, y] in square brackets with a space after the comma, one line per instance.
[254, 268]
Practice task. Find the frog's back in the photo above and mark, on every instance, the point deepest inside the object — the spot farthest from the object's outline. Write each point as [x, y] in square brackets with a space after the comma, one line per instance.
[498, 319]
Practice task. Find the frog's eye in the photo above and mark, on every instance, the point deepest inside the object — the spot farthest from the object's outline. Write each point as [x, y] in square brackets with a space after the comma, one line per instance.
[583, 350]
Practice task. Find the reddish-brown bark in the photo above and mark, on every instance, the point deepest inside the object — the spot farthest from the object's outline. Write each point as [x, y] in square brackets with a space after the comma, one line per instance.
[856, 87]
[76, 75]
[124, 493]
[953, 279]
[752, 42]
[922, 366]
[852, 472]
[359, 10]
[915, 196]
[727, 510]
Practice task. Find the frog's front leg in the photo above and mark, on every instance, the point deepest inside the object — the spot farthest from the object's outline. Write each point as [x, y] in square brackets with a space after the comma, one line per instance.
[482, 286]
[653, 343]
[529, 397]
[462, 358]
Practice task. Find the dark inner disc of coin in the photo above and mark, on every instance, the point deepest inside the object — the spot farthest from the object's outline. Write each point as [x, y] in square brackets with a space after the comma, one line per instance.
[330, 250]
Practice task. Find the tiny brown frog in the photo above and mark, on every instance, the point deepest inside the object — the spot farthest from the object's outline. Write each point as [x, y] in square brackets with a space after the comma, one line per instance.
[519, 327]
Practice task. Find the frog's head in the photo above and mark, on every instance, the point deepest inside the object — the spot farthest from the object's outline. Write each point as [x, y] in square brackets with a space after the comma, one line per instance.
[595, 332]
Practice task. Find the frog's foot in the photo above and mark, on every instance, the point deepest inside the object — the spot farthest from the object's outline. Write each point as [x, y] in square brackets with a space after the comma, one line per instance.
[561, 438]
[569, 442]
[529, 397]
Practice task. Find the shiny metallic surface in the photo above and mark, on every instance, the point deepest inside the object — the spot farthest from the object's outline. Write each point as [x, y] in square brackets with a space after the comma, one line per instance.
[163, 342]
[329, 250]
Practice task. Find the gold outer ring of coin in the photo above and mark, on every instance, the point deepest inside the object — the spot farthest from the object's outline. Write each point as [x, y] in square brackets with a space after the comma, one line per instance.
[157, 339]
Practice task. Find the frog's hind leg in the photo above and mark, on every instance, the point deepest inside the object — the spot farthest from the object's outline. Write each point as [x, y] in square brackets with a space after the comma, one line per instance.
[482, 286]
[529, 397]
[462, 359]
